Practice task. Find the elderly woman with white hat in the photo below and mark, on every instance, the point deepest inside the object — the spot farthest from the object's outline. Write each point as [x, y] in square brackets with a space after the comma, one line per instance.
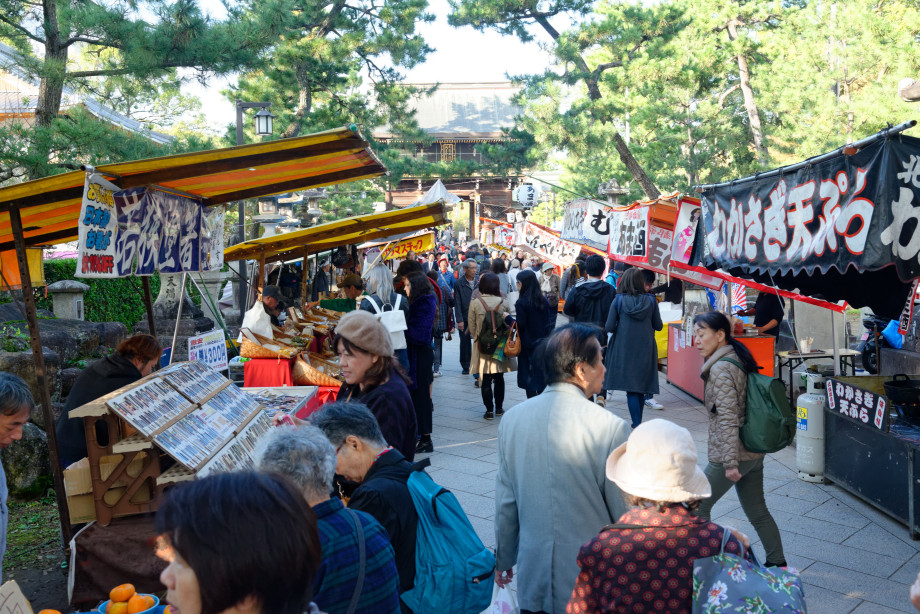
[644, 563]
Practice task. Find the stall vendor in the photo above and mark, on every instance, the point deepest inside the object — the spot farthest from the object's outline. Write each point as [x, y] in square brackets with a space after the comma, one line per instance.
[768, 313]
[320, 281]
[352, 287]
[271, 302]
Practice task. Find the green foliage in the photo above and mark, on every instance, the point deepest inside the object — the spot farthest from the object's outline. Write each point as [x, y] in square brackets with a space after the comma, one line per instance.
[32, 533]
[13, 339]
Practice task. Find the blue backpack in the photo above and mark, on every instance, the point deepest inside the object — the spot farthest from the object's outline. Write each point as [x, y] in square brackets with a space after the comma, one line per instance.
[454, 571]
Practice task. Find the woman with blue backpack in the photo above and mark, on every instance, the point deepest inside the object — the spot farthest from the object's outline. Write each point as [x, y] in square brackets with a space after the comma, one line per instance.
[725, 373]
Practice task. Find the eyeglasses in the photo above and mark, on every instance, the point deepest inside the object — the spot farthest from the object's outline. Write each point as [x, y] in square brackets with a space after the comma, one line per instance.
[341, 445]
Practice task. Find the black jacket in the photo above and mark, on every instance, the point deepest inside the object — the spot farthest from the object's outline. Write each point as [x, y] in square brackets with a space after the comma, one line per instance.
[100, 378]
[391, 404]
[463, 294]
[384, 495]
[589, 302]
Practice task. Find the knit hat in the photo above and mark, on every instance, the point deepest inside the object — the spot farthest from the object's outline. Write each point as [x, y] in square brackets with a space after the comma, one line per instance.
[362, 329]
[658, 463]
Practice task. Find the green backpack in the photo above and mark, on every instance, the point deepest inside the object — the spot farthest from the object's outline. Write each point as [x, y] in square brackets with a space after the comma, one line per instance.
[770, 423]
[490, 337]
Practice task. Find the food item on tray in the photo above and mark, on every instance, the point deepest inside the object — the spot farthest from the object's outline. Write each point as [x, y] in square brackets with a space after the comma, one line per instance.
[306, 374]
[122, 592]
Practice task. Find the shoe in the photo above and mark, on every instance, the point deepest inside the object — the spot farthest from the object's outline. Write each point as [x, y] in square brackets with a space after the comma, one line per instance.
[477, 383]
[601, 401]
[653, 404]
[424, 446]
[499, 412]
[436, 374]
[465, 372]
[489, 415]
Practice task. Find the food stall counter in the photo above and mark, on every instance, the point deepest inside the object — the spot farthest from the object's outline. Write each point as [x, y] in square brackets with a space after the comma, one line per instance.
[685, 361]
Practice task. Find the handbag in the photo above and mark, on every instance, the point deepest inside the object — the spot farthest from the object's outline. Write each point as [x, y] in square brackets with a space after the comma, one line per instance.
[513, 344]
[729, 583]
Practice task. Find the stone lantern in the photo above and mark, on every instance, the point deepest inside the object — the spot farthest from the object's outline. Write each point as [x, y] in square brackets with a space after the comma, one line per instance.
[67, 298]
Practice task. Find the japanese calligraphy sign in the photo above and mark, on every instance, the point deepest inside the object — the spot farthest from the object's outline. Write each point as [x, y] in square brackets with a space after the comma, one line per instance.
[587, 222]
[420, 243]
[212, 238]
[858, 211]
[863, 406]
[629, 234]
[98, 229]
[548, 245]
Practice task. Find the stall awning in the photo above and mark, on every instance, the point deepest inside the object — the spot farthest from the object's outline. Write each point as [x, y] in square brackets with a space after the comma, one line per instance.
[340, 232]
[50, 207]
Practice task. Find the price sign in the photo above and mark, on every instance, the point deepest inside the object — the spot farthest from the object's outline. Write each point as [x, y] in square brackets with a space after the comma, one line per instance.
[857, 404]
[209, 348]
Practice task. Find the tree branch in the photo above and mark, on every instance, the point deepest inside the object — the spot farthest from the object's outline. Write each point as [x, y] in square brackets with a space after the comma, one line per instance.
[20, 29]
[727, 93]
[91, 41]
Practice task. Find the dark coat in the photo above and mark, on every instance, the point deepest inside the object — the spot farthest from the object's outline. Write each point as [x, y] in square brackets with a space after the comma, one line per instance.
[320, 284]
[384, 495]
[422, 312]
[391, 404]
[463, 294]
[100, 378]
[534, 326]
[589, 302]
[632, 354]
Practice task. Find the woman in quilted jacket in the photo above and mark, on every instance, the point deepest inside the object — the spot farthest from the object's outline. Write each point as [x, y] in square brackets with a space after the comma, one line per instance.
[727, 363]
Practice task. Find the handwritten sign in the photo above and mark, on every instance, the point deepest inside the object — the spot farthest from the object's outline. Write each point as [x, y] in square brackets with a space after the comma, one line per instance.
[863, 406]
[417, 244]
[587, 222]
[629, 233]
[209, 348]
[98, 229]
[547, 244]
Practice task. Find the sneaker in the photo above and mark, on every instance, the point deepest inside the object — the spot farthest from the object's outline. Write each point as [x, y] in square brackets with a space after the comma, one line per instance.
[653, 404]
[489, 415]
[499, 412]
[601, 401]
[476, 382]
[436, 374]
[465, 372]
[424, 446]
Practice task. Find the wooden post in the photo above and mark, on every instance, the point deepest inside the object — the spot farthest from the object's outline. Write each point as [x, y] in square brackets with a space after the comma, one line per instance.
[261, 283]
[304, 278]
[39, 360]
[148, 303]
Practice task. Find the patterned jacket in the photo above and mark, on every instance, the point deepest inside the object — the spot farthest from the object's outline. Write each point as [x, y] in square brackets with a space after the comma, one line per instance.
[645, 570]
[725, 398]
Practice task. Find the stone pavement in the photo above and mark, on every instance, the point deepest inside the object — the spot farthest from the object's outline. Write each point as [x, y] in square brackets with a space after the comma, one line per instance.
[853, 558]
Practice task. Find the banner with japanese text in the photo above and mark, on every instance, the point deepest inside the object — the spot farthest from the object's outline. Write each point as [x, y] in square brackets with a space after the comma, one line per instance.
[547, 244]
[629, 235]
[823, 226]
[98, 229]
[587, 222]
[417, 244]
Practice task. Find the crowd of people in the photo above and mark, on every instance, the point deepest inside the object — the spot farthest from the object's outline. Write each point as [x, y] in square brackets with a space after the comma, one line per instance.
[591, 514]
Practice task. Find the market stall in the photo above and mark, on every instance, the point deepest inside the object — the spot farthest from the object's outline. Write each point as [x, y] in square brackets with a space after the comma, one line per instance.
[842, 226]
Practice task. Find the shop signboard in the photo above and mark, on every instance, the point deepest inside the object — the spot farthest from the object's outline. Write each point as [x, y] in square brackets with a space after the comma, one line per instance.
[547, 244]
[822, 226]
[587, 222]
[98, 229]
[418, 244]
[863, 406]
[629, 234]
[209, 348]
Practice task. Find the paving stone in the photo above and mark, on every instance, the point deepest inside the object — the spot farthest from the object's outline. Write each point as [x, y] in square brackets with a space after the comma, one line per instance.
[858, 586]
[466, 449]
[803, 490]
[778, 500]
[868, 564]
[822, 601]
[457, 481]
[837, 512]
[485, 529]
[908, 573]
[876, 539]
[872, 608]
[462, 465]
[477, 505]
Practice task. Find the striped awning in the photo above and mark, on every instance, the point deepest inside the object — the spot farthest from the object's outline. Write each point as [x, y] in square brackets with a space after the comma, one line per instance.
[50, 207]
[340, 232]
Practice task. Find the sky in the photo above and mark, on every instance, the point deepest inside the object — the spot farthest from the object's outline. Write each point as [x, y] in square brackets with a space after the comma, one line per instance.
[460, 55]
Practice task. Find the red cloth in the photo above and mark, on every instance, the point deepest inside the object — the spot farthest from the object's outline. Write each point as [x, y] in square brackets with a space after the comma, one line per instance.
[325, 394]
[268, 372]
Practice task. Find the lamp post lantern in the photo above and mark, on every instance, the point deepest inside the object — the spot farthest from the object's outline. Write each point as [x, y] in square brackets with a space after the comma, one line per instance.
[263, 127]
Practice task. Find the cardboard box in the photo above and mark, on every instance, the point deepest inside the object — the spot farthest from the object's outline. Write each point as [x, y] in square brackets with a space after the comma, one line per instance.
[79, 486]
[83, 508]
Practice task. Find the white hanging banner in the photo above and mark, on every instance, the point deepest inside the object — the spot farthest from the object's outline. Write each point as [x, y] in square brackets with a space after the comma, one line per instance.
[547, 244]
[587, 222]
[98, 229]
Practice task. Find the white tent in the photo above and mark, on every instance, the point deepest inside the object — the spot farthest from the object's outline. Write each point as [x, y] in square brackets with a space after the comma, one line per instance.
[437, 194]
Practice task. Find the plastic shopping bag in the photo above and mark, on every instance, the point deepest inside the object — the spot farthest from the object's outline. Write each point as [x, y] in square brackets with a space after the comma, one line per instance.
[503, 602]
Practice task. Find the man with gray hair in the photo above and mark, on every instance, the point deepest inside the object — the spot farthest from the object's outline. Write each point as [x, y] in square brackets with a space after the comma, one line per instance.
[363, 456]
[16, 404]
[463, 294]
[305, 456]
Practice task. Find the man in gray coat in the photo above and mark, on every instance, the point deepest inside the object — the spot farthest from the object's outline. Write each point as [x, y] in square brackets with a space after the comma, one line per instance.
[552, 494]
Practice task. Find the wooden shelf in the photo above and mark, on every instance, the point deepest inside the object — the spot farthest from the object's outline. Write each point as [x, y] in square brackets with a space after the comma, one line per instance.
[175, 474]
[133, 443]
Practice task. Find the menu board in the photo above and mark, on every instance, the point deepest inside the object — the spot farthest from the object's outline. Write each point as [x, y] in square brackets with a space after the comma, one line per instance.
[150, 406]
[195, 380]
[238, 454]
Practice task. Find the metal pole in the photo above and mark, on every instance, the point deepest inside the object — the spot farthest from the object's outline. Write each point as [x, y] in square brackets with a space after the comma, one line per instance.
[172, 351]
[836, 347]
[148, 303]
[38, 358]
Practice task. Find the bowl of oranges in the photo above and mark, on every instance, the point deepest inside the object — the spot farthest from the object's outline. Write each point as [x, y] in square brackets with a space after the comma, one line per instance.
[123, 599]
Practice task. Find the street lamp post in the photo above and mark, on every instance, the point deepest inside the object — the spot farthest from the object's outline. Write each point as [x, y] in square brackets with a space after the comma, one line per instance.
[263, 126]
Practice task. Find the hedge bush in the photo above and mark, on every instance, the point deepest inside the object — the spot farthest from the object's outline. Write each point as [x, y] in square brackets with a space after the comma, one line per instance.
[107, 300]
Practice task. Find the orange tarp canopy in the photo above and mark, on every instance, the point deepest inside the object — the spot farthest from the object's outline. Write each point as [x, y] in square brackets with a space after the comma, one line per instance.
[50, 207]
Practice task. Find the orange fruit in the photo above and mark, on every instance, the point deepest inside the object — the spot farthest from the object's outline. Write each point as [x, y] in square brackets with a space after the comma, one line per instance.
[168, 610]
[139, 603]
[117, 607]
[122, 592]
[49, 612]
